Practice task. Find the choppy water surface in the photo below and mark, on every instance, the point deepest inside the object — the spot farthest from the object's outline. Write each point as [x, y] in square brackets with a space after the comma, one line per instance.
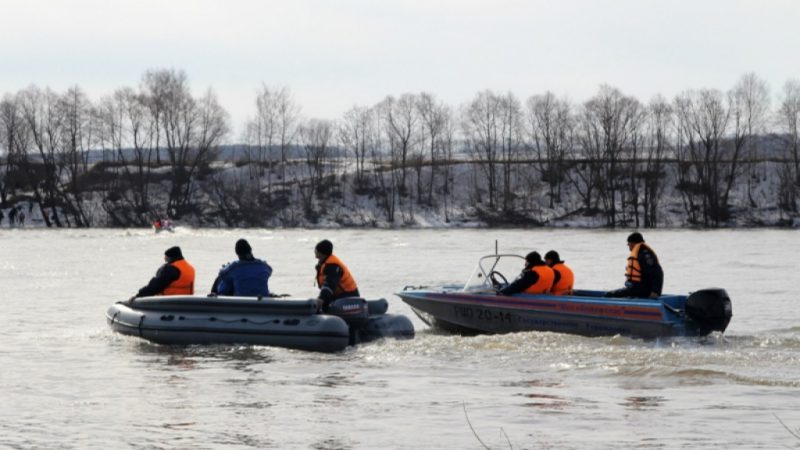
[68, 382]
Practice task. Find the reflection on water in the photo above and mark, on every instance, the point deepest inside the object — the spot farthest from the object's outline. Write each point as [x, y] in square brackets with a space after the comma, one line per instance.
[534, 383]
[172, 426]
[336, 379]
[545, 401]
[241, 357]
[334, 444]
[639, 403]
[242, 440]
[247, 405]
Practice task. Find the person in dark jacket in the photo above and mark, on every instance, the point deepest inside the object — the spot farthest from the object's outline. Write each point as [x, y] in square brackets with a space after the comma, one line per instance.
[246, 277]
[643, 273]
[175, 277]
[333, 277]
[536, 277]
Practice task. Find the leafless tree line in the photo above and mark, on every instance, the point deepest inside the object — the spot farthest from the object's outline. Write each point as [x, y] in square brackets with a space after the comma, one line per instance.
[156, 150]
[136, 153]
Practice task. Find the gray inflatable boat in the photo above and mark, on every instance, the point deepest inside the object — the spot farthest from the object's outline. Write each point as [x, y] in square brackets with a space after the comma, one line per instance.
[184, 320]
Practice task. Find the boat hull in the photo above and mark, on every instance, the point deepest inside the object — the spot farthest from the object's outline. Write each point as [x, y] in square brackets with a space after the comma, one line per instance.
[184, 320]
[588, 315]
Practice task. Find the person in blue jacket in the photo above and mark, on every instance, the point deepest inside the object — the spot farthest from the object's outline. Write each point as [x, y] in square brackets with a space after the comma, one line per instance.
[246, 277]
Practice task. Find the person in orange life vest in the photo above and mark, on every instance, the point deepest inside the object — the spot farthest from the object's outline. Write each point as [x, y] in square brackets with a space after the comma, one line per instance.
[536, 277]
[333, 278]
[643, 273]
[564, 278]
[175, 277]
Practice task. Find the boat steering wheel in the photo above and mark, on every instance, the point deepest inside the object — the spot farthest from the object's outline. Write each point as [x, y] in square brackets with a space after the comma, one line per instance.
[498, 279]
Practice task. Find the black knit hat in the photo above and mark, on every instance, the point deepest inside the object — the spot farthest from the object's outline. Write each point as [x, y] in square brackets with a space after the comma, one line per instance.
[325, 247]
[533, 257]
[552, 254]
[635, 238]
[243, 248]
[174, 253]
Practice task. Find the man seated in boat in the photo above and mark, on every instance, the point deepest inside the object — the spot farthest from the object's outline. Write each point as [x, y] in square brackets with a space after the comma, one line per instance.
[175, 277]
[536, 277]
[564, 278]
[245, 277]
[643, 273]
[333, 277]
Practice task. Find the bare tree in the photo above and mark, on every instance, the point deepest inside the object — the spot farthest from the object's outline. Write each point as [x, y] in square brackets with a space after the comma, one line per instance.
[355, 132]
[11, 129]
[446, 146]
[317, 137]
[130, 130]
[550, 128]
[703, 119]
[482, 132]
[272, 129]
[749, 104]
[192, 129]
[76, 140]
[658, 124]
[401, 117]
[435, 117]
[606, 127]
[789, 120]
[155, 87]
[288, 118]
[266, 124]
[634, 155]
[43, 122]
[234, 200]
[510, 145]
[385, 173]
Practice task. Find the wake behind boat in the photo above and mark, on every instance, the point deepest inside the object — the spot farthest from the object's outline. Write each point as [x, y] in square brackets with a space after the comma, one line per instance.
[292, 324]
[476, 308]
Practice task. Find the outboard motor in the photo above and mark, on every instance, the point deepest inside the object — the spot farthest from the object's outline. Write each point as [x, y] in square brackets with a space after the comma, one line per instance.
[709, 310]
[354, 310]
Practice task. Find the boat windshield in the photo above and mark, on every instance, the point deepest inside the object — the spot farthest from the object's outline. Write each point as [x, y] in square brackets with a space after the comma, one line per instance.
[493, 269]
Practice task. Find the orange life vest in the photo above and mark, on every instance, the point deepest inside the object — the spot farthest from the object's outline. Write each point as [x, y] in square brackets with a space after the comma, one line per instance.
[564, 285]
[347, 282]
[545, 282]
[184, 285]
[633, 271]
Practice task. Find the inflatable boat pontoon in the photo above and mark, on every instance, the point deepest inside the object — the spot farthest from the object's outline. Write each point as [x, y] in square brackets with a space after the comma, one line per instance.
[292, 324]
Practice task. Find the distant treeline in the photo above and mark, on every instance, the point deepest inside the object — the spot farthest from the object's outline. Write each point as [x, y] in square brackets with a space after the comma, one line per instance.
[157, 150]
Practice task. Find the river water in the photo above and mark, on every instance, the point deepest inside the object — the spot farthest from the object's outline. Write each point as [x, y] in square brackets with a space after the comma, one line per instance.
[67, 381]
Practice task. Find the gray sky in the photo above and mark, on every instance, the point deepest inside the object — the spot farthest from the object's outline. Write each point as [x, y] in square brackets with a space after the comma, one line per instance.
[334, 54]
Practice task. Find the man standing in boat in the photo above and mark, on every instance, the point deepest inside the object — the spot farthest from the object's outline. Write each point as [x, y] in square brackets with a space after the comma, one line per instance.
[175, 277]
[536, 277]
[333, 278]
[564, 278]
[246, 277]
[643, 273]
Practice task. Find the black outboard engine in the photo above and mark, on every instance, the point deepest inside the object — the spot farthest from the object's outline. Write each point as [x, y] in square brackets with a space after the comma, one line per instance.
[354, 310]
[708, 310]
[368, 320]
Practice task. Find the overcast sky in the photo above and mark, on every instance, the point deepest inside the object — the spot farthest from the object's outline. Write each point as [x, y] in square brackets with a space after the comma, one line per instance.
[338, 53]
